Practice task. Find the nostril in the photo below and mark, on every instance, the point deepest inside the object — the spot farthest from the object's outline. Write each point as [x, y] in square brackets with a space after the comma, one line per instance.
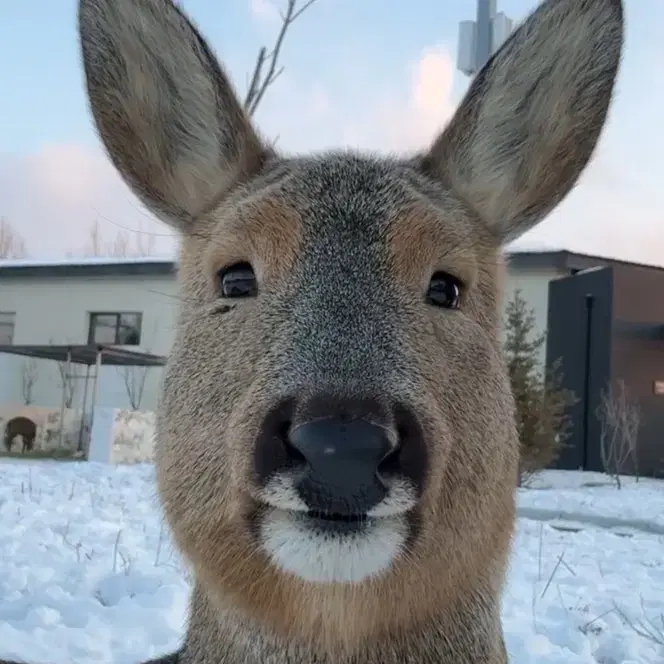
[295, 458]
[390, 463]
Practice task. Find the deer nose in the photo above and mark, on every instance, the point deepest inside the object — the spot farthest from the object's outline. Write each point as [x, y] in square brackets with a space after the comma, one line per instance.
[342, 460]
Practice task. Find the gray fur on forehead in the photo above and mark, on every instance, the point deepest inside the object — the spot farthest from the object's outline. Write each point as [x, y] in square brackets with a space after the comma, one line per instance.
[344, 189]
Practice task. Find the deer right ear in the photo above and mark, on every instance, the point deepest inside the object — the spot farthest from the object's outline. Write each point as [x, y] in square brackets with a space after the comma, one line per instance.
[164, 108]
[532, 117]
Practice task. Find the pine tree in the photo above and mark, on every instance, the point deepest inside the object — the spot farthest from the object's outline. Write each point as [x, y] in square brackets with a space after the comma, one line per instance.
[541, 403]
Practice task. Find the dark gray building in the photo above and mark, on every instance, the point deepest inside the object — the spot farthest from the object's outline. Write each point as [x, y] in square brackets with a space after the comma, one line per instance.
[606, 324]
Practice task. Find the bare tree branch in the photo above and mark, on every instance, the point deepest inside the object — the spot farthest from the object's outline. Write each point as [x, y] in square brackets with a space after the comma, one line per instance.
[95, 246]
[28, 380]
[68, 382]
[256, 77]
[134, 377]
[619, 416]
[122, 245]
[134, 380]
[261, 81]
[12, 244]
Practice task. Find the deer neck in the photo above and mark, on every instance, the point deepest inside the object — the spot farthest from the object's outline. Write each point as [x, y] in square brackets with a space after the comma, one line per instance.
[472, 635]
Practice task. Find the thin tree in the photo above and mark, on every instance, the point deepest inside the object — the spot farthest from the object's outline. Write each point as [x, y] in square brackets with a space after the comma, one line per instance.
[267, 67]
[68, 377]
[95, 245]
[28, 380]
[123, 244]
[619, 417]
[12, 243]
[135, 376]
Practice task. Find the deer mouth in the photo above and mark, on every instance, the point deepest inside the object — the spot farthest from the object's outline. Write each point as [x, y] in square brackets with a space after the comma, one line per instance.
[339, 523]
[330, 516]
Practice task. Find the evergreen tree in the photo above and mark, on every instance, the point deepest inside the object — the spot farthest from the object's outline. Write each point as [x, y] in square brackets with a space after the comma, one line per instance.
[541, 403]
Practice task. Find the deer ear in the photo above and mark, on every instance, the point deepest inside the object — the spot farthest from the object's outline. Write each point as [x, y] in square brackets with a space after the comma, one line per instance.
[530, 121]
[164, 108]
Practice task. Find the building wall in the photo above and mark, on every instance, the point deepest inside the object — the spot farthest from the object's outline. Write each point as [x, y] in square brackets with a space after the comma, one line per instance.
[580, 315]
[534, 287]
[637, 364]
[607, 325]
[56, 310]
[638, 357]
[633, 299]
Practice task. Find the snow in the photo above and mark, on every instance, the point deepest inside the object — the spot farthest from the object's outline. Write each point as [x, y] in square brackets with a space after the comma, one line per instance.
[516, 247]
[522, 245]
[132, 436]
[122, 436]
[82, 261]
[89, 573]
[528, 245]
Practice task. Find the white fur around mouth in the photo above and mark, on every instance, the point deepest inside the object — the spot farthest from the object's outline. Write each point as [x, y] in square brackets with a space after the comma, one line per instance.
[280, 493]
[295, 545]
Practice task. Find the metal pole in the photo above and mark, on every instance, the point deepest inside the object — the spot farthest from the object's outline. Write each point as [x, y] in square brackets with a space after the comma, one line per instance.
[83, 407]
[66, 378]
[586, 379]
[486, 11]
[95, 385]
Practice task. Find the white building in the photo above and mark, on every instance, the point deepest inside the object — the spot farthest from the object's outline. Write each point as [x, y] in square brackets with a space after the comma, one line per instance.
[128, 302]
[133, 302]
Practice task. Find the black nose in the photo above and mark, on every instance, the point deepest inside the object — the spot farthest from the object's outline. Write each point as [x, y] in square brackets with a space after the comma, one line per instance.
[340, 455]
[342, 460]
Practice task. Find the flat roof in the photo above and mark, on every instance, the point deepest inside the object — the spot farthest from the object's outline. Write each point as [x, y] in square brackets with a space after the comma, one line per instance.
[86, 354]
[520, 255]
[89, 267]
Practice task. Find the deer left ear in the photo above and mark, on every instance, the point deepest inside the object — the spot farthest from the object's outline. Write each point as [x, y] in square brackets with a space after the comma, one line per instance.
[532, 117]
[164, 107]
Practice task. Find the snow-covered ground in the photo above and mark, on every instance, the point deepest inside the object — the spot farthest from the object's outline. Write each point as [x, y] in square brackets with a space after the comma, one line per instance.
[87, 572]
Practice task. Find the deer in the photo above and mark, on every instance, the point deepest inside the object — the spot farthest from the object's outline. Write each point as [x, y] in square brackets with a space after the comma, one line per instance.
[20, 426]
[336, 450]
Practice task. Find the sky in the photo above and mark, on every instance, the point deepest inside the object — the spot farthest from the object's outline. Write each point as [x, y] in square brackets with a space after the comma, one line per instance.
[372, 75]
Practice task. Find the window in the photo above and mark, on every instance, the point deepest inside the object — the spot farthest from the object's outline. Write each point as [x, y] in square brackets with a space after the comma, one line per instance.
[7, 324]
[119, 329]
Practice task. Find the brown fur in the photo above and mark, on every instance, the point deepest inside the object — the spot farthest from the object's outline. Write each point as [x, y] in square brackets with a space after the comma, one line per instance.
[343, 246]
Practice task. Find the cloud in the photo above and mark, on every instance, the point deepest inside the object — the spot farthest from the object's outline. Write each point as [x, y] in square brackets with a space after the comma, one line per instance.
[264, 10]
[405, 114]
[408, 119]
[53, 195]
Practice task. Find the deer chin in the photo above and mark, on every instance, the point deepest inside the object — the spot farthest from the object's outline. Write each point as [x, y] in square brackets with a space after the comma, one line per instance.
[330, 548]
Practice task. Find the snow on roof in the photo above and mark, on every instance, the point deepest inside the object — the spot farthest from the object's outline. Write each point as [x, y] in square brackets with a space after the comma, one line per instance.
[528, 246]
[517, 247]
[88, 260]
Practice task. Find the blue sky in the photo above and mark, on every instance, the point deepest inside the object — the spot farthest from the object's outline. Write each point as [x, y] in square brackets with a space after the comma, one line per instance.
[371, 74]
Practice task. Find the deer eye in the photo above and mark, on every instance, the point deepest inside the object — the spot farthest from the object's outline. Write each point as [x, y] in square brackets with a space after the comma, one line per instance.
[238, 281]
[444, 291]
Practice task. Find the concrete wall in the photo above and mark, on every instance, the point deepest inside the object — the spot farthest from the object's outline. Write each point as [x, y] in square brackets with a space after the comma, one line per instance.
[57, 310]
